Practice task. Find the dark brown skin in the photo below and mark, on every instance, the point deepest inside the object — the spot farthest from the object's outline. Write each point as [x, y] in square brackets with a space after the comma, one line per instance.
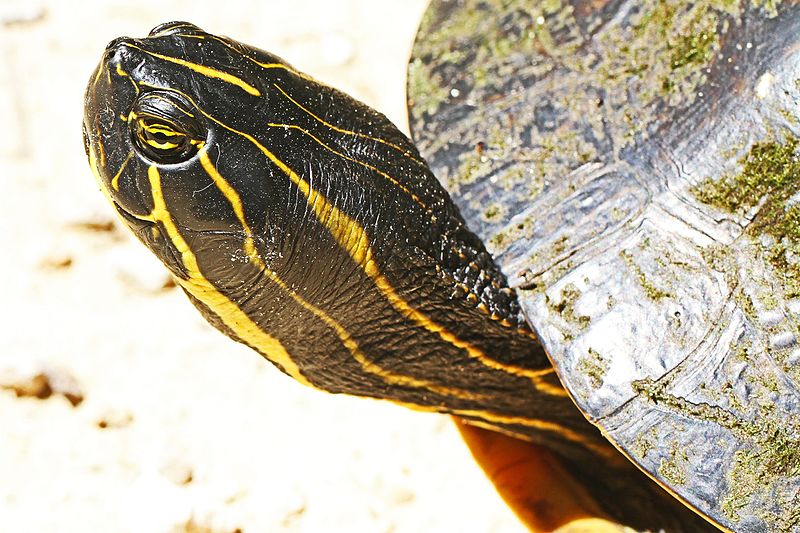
[305, 225]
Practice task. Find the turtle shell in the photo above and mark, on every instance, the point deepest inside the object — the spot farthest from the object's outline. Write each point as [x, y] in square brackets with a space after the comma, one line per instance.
[634, 169]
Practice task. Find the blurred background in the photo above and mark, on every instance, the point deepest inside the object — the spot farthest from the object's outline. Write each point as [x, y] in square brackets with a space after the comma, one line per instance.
[120, 408]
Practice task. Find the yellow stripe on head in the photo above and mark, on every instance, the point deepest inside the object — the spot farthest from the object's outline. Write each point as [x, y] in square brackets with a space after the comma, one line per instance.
[121, 73]
[261, 64]
[386, 176]
[115, 179]
[204, 70]
[400, 149]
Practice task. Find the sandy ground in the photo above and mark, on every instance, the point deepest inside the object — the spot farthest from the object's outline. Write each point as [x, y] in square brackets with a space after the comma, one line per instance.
[120, 409]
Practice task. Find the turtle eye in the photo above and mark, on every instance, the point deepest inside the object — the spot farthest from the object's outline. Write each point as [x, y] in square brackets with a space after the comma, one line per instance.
[163, 129]
[161, 141]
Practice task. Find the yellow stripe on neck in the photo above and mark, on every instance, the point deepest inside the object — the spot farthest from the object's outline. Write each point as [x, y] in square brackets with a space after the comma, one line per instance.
[388, 376]
[545, 426]
[202, 289]
[353, 238]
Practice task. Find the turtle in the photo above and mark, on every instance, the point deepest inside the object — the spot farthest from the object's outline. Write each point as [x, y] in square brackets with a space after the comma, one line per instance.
[589, 255]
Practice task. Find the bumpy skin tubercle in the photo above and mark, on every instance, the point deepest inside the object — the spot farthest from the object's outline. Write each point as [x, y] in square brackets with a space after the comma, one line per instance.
[305, 225]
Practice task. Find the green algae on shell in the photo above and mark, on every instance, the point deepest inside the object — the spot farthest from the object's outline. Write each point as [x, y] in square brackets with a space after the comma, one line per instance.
[768, 183]
[594, 367]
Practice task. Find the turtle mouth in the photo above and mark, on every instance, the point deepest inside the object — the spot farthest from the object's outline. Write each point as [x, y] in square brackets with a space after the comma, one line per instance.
[155, 237]
[137, 223]
[149, 232]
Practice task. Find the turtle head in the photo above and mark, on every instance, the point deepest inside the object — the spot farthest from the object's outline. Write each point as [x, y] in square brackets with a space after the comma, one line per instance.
[160, 112]
[208, 147]
[302, 223]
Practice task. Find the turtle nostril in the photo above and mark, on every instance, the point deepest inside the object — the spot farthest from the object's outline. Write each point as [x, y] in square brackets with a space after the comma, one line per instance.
[169, 28]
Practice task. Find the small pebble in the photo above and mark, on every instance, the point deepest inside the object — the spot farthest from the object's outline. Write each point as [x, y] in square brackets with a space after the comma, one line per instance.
[178, 472]
[57, 262]
[42, 384]
[115, 420]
